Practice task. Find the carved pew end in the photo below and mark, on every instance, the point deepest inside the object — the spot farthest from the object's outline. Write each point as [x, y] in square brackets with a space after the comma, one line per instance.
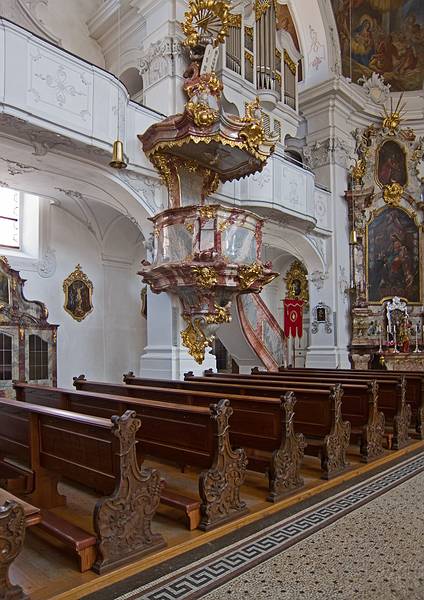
[284, 472]
[123, 520]
[219, 486]
[12, 534]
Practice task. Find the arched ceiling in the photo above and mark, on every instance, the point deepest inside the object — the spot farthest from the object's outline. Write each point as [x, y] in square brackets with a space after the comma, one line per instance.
[384, 37]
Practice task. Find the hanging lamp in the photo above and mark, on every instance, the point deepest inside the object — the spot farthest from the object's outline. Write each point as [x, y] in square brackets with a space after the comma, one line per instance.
[118, 159]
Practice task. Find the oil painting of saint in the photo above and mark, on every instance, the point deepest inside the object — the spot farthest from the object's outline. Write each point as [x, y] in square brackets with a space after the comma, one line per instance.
[393, 257]
[78, 294]
[391, 166]
[384, 37]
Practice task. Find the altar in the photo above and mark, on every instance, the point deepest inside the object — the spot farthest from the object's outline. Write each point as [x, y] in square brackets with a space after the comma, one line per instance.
[410, 361]
[386, 219]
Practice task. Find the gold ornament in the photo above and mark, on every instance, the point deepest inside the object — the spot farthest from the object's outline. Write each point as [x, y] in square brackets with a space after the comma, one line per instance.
[392, 194]
[297, 282]
[248, 274]
[358, 171]
[78, 294]
[254, 132]
[290, 63]
[206, 21]
[220, 316]
[195, 340]
[208, 212]
[205, 277]
[202, 114]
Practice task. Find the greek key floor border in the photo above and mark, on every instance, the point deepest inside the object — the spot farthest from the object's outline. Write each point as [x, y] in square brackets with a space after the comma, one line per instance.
[207, 574]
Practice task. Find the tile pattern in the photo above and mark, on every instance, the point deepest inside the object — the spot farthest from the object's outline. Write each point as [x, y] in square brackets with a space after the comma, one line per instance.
[206, 575]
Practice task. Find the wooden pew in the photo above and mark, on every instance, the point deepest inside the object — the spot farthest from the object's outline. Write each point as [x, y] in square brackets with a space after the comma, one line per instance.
[392, 393]
[183, 434]
[257, 423]
[15, 516]
[98, 453]
[414, 384]
[360, 403]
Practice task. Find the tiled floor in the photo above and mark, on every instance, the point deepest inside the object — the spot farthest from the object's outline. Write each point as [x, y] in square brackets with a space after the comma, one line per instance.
[364, 543]
[375, 552]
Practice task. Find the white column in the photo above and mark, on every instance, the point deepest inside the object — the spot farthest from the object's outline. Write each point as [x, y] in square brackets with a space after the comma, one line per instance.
[165, 357]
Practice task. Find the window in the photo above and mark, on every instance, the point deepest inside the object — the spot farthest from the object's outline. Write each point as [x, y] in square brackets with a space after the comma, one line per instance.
[38, 358]
[9, 218]
[5, 357]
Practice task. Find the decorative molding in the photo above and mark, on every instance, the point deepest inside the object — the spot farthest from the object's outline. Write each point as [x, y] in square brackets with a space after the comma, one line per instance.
[18, 168]
[343, 284]
[46, 266]
[144, 186]
[317, 279]
[158, 60]
[332, 150]
[375, 88]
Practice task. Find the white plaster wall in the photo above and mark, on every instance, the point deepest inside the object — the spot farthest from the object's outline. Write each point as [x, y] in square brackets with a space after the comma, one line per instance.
[109, 341]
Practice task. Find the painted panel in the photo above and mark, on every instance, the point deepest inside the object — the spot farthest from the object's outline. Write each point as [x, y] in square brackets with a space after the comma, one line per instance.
[387, 38]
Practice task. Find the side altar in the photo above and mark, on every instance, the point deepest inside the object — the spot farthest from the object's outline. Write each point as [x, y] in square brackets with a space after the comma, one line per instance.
[386, 218]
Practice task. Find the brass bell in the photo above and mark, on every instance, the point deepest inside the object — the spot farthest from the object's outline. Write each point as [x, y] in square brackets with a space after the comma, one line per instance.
[118, 161]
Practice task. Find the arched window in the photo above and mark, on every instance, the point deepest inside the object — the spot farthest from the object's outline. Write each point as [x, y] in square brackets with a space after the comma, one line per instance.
[9, 218]
[5, 357]
[38, 358]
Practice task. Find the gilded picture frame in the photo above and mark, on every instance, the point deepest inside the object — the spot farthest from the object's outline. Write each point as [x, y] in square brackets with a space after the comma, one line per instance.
[78, 291]
[297, 282]
[378, 166]
[411, 299]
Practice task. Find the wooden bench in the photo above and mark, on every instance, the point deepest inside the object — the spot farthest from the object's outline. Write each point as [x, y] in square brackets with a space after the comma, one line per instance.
[179, 433]
[15, 516]
[392, 394]
[258, 421]
[414, 385]
[98, 453]
[359, 407]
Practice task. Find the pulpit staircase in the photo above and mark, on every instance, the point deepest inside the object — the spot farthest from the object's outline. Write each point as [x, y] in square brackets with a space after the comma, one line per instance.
[253, 334]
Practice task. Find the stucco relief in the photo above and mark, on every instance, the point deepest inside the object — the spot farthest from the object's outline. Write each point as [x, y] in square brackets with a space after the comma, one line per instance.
[17, 168]
[328, 151]
[64, 87]
[320, 208]
[146, 187]
[294, 190]
[157, 61]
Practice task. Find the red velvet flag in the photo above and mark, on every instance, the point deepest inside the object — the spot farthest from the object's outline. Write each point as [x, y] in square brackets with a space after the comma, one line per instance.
[293, 317]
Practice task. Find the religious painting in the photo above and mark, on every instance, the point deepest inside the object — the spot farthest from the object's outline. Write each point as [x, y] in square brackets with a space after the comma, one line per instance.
[391, 164]
[393, 257]
[78, 294]
[297, 282]
[384, 37]
[285, 21]
[4, 289]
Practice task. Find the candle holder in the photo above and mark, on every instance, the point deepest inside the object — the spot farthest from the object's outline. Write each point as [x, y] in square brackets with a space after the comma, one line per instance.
[396, 351]
[416, 340]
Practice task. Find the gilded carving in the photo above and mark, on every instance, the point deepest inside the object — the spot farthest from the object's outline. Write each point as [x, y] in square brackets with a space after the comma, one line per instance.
[336, 443]
[123, 521]
[392, 194]
[205, 277]
[206, 19]
[78, 294]
[284, 474]
[297, 282]
[219, 486]
[373, 434]
[12, 533]
[195, 339]
[248, 274]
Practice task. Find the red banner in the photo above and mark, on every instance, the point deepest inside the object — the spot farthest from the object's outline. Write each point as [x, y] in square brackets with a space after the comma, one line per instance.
[293, 317]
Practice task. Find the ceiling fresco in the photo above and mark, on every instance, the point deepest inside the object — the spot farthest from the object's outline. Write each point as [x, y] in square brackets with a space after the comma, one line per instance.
[387, 38]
